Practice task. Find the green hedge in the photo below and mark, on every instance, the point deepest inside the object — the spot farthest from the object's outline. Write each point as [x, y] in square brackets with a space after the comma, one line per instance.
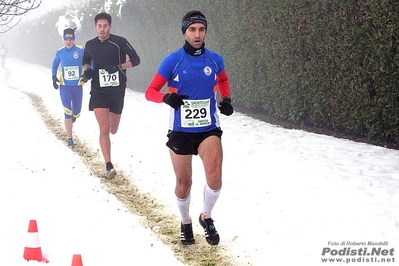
[331, 64]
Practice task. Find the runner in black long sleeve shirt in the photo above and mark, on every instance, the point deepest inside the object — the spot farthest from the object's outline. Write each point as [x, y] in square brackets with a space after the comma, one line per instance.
[109, 52]
[105, 63]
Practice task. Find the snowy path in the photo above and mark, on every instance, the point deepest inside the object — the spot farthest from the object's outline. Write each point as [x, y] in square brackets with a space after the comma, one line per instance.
[44, 181]
[286, 193]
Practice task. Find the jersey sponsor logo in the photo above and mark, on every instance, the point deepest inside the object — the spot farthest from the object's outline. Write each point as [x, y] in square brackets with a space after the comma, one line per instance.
[75, 55]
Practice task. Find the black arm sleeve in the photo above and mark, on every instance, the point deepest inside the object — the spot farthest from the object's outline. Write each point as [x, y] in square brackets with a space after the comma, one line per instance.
[133, 56]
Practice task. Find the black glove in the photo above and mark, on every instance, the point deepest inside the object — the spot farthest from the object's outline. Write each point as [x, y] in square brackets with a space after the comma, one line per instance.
[83, 78]
[174, 100]
[88, 73]
[55, 80]
[225, 106]
[112, 69]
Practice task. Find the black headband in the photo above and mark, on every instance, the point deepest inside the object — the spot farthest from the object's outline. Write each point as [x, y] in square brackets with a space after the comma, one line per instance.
[192, 20]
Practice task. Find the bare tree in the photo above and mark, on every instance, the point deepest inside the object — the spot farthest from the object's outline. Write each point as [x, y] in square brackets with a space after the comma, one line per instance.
[12, 10]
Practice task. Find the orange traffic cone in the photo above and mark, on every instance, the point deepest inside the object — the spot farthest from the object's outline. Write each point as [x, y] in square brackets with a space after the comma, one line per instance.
[33, 251]
[77, 260]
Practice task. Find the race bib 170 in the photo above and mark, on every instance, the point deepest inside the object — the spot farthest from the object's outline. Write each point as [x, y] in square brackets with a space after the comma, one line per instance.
[107, 80]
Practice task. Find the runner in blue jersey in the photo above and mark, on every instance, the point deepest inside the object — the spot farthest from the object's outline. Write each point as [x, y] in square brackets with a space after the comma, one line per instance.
[193, 75]
[70, 57]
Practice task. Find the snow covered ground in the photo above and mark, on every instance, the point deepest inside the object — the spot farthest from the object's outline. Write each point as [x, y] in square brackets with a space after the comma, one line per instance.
[287, 195]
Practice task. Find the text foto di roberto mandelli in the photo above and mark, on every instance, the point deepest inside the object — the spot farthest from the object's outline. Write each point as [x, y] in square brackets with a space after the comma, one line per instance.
[354, 243]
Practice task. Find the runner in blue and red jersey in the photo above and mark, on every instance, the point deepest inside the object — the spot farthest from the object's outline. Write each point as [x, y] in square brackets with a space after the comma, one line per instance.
[194, 74]
[70, 57]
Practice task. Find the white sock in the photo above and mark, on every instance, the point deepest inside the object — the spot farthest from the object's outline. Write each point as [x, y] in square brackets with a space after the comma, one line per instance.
[184, 208]
[210, 198]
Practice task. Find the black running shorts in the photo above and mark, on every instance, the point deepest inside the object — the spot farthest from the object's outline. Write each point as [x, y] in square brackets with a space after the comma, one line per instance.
[113, 101]
[187, 143]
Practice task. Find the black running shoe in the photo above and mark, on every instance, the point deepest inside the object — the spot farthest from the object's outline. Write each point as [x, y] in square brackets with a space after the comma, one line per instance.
[211, 235]
[186, 235]
[111, 172]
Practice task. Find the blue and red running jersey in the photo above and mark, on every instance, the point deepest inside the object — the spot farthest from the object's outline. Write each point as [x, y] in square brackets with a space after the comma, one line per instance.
[196, 77]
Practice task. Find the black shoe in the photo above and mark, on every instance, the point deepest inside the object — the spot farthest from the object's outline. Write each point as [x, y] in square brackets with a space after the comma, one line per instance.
[111, 172]
[186, 235]
[211, 235]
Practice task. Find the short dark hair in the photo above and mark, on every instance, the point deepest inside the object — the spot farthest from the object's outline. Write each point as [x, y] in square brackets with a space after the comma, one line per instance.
[103, 15]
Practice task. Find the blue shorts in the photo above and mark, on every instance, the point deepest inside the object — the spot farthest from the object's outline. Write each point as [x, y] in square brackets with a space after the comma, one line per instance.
[71, 98]
[184, 143]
